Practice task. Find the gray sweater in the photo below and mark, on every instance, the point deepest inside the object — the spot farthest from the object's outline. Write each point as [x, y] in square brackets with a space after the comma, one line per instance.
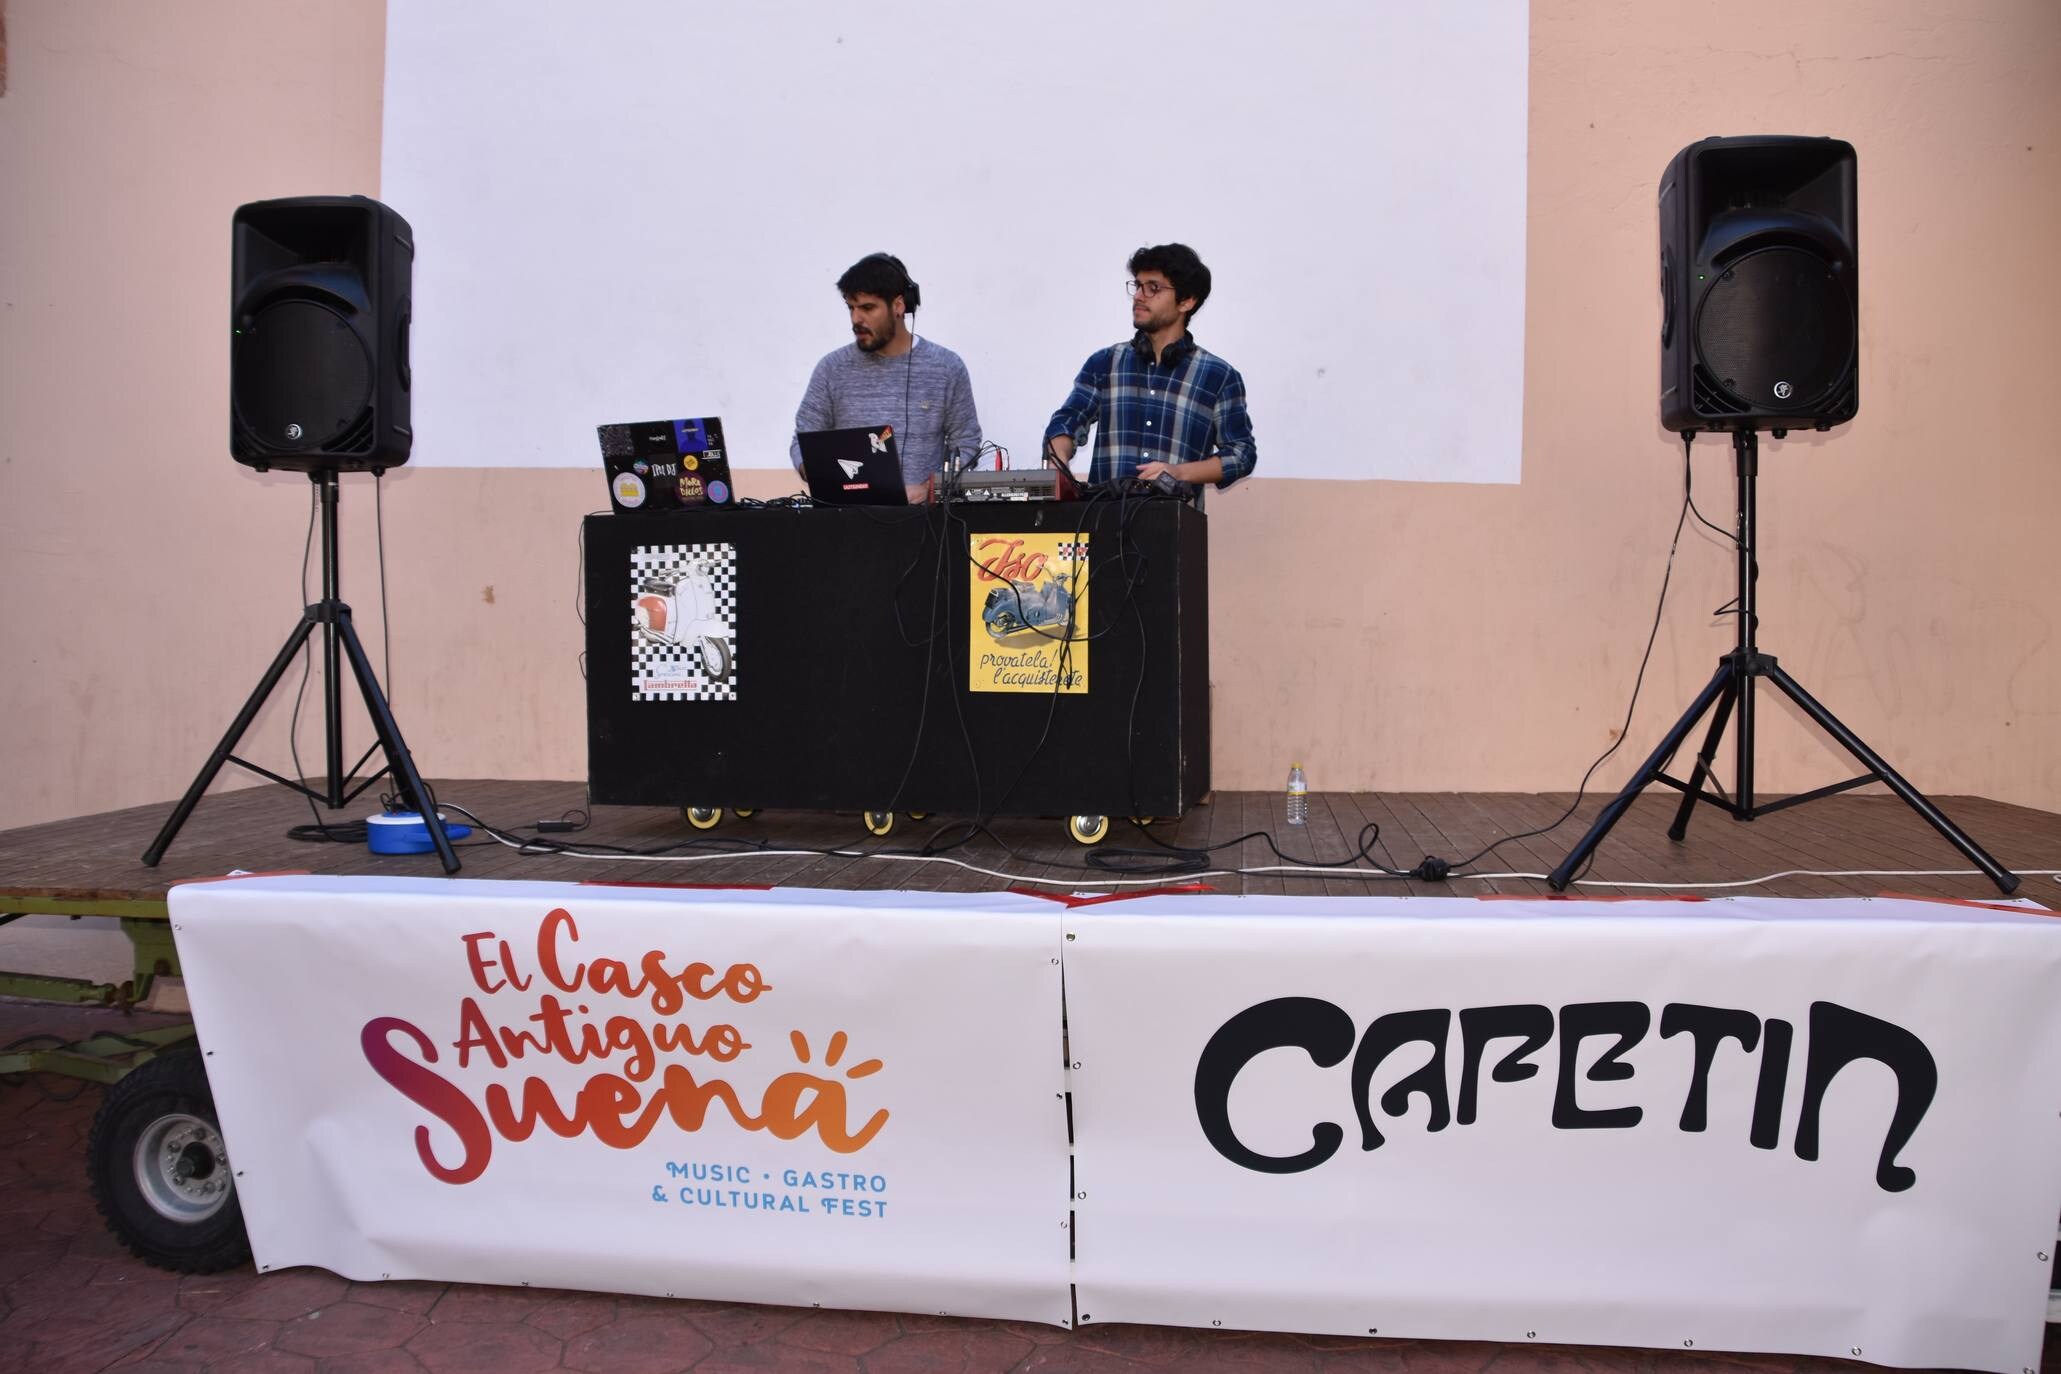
[925, 394]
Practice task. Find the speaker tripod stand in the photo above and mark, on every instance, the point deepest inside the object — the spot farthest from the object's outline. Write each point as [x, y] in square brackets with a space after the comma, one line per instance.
[334, 619]
[1730, 690]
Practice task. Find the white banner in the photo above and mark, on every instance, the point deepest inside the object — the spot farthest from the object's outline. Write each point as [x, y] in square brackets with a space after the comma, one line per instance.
[845, 1099]
[1825, 1127]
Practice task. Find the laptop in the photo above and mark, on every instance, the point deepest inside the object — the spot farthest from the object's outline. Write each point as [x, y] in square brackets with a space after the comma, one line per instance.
[853, 467]
[666, 465]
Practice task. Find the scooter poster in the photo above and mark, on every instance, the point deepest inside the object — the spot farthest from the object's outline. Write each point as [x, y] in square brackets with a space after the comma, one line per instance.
[683, 622]
[1029, 606]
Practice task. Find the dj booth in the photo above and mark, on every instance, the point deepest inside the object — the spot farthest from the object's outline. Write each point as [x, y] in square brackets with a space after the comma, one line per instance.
[891, 659]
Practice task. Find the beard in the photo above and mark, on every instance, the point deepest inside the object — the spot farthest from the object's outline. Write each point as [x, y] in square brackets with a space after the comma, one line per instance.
[1153, 318]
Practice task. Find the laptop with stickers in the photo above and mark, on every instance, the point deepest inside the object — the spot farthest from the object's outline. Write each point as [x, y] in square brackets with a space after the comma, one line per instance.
[666, 465]
[853, 467]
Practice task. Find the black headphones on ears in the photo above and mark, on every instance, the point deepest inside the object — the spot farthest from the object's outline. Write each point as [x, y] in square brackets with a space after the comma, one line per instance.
[909, 291]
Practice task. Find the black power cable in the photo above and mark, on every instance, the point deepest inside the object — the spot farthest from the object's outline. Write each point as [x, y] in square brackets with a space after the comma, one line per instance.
[951, 516]
[1183, 858]
[386, 636]
[321, 829]
[1637, 682]
[1432, 868]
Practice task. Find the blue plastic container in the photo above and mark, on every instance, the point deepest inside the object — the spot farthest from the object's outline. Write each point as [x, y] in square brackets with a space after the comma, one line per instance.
[402, 832]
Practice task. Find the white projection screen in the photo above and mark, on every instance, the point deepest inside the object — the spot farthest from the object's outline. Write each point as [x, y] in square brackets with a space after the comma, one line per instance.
[630, 210]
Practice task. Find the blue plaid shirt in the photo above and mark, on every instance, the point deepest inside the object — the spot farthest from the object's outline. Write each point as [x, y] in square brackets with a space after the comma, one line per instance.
[1186, 406]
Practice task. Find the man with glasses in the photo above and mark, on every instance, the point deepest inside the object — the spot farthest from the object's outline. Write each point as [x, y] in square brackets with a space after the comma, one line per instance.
[1162, 404]
[888, 376]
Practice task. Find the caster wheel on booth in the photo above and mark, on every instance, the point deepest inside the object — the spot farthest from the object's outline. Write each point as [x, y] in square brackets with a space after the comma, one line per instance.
[879, 822]
[703, 817]
[159, 1171]
[919, 815]
[1087, 829]
[745, 813]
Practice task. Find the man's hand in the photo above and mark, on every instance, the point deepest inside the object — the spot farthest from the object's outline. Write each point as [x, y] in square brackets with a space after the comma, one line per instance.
[1201, 472]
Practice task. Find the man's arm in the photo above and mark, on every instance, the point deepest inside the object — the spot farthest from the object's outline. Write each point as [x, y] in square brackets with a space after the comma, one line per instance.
[1068, 429]
[1230, 441]
[1236, 453]
[817, 411]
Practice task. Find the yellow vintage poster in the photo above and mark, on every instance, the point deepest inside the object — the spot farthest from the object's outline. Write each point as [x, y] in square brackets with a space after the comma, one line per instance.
[1030, 613]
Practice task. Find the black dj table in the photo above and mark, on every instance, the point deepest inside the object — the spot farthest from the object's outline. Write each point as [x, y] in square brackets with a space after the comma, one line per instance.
[818, 658]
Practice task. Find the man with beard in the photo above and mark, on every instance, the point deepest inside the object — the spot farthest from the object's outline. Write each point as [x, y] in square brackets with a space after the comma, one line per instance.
[1162, 403]
[891, 377]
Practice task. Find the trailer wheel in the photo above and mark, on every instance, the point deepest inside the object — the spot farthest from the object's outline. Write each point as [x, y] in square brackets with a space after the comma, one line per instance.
[160, 1172]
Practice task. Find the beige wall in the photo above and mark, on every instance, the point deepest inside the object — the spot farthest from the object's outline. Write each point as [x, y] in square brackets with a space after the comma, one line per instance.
[1390, 635]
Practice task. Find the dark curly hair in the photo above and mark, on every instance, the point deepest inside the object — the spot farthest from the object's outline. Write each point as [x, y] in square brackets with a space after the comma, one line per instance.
[882, 275]
[1180, 266]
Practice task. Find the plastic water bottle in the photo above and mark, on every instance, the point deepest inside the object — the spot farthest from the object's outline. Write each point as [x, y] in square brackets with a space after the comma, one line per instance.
[1298, 795]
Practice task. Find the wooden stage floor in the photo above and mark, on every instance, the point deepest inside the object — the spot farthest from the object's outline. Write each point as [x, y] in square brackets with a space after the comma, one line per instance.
[91, 864]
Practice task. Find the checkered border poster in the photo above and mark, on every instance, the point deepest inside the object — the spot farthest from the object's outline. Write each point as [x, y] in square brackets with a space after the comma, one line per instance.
[683, 622]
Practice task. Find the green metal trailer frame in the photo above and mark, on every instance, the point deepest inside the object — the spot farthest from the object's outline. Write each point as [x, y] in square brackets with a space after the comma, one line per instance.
[109, 1056]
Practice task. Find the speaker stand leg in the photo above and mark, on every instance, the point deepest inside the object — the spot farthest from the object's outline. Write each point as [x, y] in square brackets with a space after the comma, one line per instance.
[170, 830]
[1719, 685]
[2006, 881]
[398, 759]
[1691, 794]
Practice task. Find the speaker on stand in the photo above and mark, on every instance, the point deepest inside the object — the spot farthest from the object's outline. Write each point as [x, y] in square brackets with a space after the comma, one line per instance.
[1760, 329]
[319, 383]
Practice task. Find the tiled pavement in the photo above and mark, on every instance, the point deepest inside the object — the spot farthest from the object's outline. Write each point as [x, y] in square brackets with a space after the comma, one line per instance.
[72, 1301]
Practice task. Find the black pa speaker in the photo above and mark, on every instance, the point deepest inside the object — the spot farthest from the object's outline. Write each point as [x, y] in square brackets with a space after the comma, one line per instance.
[319, 311]
[1759, 285]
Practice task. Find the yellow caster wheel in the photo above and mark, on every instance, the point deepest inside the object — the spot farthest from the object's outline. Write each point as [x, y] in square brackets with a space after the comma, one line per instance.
[919, 815]
[703, 817]
[1087, 829]
[745, 813]
[1140, 821]
[879, 822]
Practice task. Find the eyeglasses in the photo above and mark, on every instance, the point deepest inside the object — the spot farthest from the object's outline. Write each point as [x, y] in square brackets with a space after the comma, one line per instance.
[1147, 289]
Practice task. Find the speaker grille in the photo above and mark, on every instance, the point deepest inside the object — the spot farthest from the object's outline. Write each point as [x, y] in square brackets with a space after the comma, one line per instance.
[303, 377]
[1776, 332]
[1713, 399]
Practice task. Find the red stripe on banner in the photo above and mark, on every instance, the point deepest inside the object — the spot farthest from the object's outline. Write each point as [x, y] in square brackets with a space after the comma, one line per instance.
[1069, 901]
[1964, 901]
